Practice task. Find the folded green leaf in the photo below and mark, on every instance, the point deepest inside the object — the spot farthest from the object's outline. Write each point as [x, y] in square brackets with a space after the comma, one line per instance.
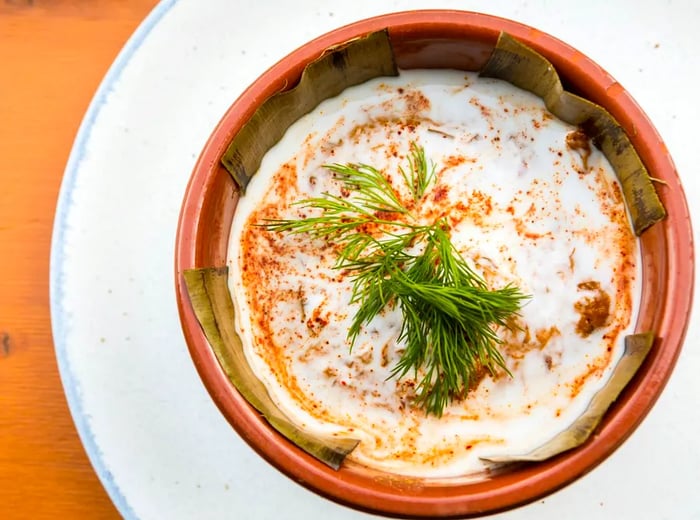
[518, 64]
[340, 67]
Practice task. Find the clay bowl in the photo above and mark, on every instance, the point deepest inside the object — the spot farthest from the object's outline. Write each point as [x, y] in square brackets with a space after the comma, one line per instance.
[461, 40]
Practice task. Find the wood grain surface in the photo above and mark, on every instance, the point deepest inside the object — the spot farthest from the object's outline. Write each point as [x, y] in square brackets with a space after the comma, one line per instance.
[53, 54]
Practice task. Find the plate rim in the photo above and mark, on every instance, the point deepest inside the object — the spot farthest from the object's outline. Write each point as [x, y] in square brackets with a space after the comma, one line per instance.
[58, 315]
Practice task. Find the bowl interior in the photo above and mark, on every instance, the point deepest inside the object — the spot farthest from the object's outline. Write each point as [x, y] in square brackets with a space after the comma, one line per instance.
[458, 40]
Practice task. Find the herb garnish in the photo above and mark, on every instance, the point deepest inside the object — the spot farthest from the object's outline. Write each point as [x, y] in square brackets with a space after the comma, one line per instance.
[449, 313]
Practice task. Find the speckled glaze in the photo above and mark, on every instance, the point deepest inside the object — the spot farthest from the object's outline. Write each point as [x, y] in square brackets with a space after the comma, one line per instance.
[448, 39]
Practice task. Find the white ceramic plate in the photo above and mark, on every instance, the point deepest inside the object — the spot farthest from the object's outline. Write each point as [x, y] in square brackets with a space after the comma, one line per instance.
[157, 442]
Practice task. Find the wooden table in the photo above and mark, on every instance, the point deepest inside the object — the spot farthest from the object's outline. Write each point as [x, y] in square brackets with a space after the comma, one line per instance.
[53, 54]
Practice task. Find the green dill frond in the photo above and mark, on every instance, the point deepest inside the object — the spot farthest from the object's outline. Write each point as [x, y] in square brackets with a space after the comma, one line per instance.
[449, 313]
[419, 174]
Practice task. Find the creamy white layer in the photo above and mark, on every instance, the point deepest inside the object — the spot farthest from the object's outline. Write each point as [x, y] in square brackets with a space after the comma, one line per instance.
[524, 207]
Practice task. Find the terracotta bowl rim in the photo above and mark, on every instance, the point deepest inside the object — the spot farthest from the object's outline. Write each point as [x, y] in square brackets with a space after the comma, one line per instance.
[463, 499]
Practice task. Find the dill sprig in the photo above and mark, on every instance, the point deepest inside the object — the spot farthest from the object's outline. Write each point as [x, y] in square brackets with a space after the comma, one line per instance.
[449, 313]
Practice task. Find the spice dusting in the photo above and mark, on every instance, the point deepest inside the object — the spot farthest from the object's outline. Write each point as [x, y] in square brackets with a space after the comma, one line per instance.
[594, 310]
[579, 142]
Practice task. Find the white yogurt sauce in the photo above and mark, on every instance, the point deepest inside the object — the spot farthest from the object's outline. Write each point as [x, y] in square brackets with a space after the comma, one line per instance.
[523, 209]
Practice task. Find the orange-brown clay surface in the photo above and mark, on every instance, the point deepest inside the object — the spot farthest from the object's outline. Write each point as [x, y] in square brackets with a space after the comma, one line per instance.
[53, 55]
